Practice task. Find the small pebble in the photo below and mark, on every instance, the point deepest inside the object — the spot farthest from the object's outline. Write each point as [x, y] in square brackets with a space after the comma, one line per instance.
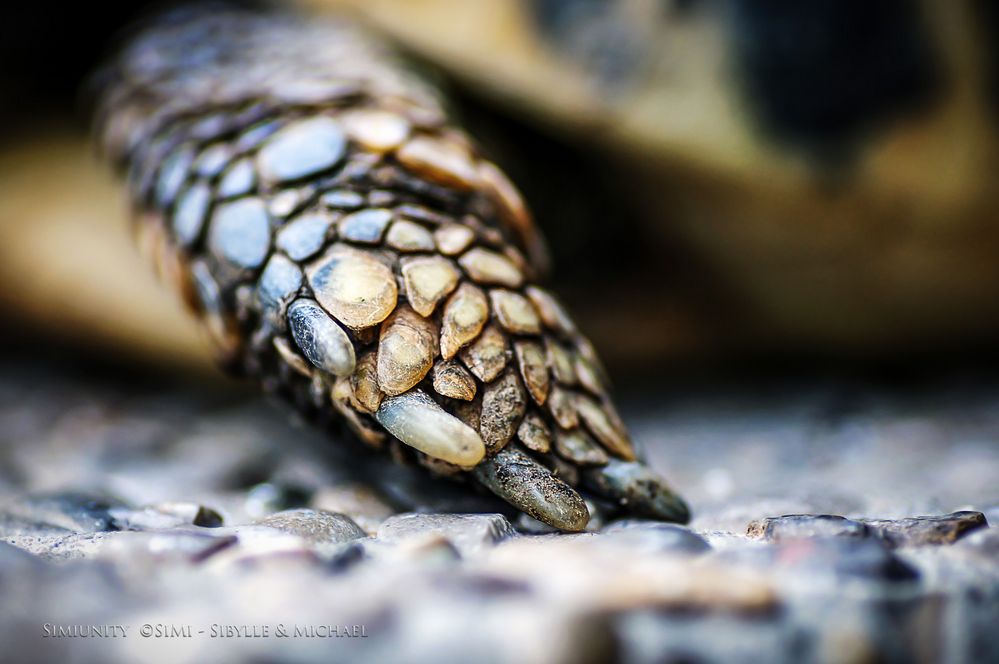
[800, 526]
[317, 527]
[470, 533]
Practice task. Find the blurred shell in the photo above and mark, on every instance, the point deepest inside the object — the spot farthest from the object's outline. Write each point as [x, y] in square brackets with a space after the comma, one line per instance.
[794, 173]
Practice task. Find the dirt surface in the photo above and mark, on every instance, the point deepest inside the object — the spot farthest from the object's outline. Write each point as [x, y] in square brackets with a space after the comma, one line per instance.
[204, 514]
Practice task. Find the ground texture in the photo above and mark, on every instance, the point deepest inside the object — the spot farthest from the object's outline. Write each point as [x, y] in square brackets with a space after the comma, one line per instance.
[834, 521]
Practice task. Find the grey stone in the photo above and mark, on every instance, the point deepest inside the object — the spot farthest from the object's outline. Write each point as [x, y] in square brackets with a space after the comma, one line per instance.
[546, 598]
[142, 551]
[655, 536]
[926, 530]
[70, 512]
[470, 533]
[316, 526]
[799, 526]
[360, 502]
[72, 546]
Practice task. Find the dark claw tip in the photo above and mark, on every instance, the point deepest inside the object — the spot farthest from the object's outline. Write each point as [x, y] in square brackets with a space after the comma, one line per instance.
[635, 486]
[530, 487]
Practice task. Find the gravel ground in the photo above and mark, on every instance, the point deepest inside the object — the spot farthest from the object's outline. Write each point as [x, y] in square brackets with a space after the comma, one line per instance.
[833, 521]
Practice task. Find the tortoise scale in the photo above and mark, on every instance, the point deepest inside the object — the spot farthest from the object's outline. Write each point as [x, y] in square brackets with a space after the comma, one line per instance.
[348, 247]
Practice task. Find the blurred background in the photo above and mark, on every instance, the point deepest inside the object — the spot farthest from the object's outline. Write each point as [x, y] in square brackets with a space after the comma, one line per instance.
[723, 183]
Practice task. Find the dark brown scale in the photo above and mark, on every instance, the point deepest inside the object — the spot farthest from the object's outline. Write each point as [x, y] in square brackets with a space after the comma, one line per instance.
[355, 254]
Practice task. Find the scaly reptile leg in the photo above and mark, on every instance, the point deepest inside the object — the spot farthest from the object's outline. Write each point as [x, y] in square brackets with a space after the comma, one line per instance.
[350, 249]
